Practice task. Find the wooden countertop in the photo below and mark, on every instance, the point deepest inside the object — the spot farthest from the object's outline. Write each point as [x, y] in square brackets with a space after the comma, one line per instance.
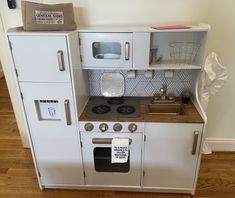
[191, 115]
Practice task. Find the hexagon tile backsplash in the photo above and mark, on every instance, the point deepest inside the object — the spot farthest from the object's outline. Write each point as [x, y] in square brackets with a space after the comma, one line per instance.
[142, 86]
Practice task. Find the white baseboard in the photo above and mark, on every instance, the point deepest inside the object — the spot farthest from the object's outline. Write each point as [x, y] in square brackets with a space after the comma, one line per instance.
[221, 144]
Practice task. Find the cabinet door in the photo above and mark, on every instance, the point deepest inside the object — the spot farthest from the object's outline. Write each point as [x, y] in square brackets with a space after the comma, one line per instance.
[41, 58]
[51, 118]
[102, 50]
[168, 158]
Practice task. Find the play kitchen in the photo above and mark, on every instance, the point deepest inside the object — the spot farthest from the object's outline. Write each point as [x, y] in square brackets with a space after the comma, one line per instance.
[104, 108]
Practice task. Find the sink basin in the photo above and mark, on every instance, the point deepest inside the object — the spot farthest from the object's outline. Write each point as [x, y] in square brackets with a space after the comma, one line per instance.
[166, 109]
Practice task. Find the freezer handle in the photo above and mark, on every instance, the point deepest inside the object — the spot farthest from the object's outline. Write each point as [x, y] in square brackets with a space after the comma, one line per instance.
[60, 58]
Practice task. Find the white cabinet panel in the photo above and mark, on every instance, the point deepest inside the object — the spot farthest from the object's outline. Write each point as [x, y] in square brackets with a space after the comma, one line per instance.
[54, 134]
[41, 58]
[168, 159]
[106, 50]
[141, 48]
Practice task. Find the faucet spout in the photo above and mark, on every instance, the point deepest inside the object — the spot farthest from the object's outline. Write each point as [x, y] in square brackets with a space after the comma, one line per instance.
[163, 93]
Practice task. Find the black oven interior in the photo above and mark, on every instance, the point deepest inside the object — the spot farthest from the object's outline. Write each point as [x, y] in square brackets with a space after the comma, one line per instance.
[102, 161]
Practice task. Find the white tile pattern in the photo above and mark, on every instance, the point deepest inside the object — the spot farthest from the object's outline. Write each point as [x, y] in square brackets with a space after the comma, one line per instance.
[142, 86]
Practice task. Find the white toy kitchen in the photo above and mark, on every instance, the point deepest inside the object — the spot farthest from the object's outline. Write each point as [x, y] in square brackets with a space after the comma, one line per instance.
[88, 92]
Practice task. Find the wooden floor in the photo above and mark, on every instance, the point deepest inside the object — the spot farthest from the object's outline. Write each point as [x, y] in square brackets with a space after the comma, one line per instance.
[18, 180]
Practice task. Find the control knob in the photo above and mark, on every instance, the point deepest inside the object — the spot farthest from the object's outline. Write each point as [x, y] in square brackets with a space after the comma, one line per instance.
[103, 127]
[89, 127]
[132, 127]
[117, 127]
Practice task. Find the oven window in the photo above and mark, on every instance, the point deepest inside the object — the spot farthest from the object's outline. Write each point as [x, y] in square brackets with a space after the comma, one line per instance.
[102, 161]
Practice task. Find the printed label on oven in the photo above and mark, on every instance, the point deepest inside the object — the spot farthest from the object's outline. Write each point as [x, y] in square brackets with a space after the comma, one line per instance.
[49, 17]
[120, 150]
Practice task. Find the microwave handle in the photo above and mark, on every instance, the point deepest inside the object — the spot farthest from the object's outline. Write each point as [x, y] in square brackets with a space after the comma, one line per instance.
[127, 51]
[105, 141]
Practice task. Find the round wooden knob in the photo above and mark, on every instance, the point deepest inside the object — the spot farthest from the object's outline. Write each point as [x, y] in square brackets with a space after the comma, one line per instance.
[132, 128]
[89, 127]
[103, 127]
[117, 127]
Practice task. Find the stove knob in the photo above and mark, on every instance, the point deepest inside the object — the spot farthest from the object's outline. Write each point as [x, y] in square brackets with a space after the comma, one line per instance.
[103, 127]
[132, 127]
[89, 127]
[117, 127]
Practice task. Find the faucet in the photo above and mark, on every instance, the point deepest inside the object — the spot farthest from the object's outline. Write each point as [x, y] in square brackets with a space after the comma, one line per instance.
[163, 93]
[163, 98]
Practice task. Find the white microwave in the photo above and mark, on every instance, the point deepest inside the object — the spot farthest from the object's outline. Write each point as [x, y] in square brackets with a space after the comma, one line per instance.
[106, 50]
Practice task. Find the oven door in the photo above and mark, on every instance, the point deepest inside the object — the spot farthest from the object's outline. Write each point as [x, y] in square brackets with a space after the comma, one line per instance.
[97, 160]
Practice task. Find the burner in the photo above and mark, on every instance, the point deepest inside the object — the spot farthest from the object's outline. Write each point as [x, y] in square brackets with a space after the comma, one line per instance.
[125, 109]
[101, 109]
[115, 101]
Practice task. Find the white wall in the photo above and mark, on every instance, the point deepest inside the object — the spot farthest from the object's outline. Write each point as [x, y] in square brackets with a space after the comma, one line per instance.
[125, 12]
[140, 12]
[221, 112]
[219, 14]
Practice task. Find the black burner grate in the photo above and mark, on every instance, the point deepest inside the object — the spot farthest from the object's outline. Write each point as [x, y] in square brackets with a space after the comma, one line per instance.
[126, 109]
[115, 101]
[101, 109]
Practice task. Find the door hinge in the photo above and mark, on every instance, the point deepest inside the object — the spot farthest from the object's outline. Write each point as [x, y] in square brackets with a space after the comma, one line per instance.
[84, 173]
[145, 138]
[81, 144]
[21, 95]
[79, 41]
[81, 58]
[143, 173]
[10, 45]
[16, 71]
[39, 174]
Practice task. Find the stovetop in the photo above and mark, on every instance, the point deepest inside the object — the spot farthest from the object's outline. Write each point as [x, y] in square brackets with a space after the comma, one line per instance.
[123, 107]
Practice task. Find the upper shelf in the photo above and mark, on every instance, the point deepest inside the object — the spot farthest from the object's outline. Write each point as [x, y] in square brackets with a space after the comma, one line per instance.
[203, 27]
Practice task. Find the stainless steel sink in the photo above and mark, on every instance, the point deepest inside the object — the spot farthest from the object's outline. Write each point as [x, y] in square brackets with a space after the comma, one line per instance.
[166, 109]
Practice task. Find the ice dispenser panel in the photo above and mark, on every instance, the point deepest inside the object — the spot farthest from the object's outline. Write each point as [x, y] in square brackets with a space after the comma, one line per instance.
[48, 109]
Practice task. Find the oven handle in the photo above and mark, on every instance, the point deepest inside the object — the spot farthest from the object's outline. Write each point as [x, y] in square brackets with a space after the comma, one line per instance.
[105, 140]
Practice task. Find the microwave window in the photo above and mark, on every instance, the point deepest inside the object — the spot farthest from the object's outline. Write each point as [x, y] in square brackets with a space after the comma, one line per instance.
[102, 161]
[106, 50]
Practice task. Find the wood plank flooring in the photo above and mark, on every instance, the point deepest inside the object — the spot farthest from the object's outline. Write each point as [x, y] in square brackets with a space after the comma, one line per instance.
[18, 179]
